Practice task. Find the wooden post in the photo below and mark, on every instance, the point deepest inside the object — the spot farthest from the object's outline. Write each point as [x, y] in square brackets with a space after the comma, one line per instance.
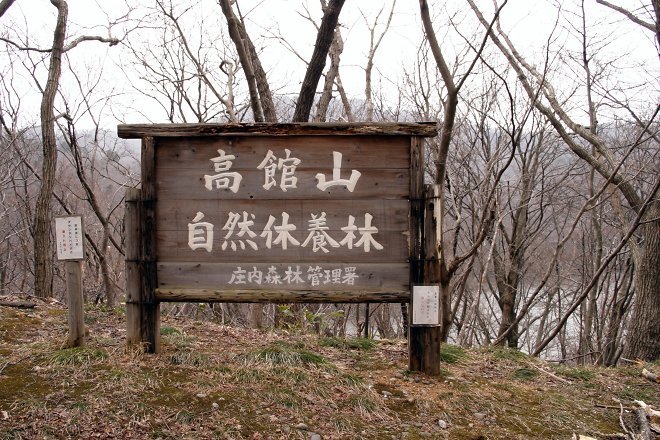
[423, 342]
[71, 249]
[142, 308]
[74, 289]
[150, 307]
[132, 255]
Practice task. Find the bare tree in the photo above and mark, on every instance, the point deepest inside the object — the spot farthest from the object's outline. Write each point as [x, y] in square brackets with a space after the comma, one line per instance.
[43, 266]
[374, 43]
[445, 269]
[644, 336]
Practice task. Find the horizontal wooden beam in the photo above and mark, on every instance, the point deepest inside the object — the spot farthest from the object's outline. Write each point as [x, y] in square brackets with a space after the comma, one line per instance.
[279, 296]
[136, 131]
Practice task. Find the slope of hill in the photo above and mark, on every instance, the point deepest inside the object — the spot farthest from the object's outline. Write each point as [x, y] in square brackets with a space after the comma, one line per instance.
[213, 381]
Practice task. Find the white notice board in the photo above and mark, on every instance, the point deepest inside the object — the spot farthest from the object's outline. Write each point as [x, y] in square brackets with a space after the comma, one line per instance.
[426, 305]
[69, 237]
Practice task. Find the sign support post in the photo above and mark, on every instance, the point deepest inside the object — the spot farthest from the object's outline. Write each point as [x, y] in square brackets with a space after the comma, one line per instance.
[69, 233]
[76, 313]
[423, 340]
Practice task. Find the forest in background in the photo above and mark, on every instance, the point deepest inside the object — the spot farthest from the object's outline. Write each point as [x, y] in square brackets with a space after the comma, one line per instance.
[546, 163]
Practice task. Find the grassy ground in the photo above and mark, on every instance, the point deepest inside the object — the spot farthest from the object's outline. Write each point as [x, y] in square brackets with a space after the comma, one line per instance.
[213, 381]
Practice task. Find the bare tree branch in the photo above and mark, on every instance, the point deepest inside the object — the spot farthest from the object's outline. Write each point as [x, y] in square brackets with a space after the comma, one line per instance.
[629, 14]
[110, 40]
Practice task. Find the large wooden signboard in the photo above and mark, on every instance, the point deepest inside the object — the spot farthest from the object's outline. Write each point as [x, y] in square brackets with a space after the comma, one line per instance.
[276, 213]
[282, 213]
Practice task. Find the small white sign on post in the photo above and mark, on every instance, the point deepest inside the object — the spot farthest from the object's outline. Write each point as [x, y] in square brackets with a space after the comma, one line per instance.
[426, 305]
[69, 233]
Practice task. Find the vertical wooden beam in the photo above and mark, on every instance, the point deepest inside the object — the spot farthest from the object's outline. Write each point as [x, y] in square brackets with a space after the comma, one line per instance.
[423, 342]
[426, 340]
[416, 223]
[74, 289]
[150, 315]
[132, 258]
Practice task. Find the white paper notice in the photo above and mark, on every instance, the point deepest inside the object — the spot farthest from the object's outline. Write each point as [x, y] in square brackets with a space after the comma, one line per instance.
[69, 233]
[426, 305]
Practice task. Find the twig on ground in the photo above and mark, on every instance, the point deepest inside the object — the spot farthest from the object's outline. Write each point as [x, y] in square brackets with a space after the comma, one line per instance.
[561, 379]
[650, 376]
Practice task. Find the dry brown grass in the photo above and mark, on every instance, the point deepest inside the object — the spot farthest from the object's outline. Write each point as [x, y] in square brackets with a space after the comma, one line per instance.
[214, 381]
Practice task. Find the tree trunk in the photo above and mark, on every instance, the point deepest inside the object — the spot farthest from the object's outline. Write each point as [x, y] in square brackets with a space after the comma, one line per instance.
[43, 264]
[4, 5]
[244, 56]
[317, 62]
[643, 340]
[507, 306]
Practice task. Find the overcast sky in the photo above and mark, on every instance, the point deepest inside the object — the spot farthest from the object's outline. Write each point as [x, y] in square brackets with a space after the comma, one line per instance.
[530, 22]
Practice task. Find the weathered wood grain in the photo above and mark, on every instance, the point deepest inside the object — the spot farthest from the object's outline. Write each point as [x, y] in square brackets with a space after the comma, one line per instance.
[388, 215]
[173, 246]
[370, 276]
[423, 342]
[75, 303]
[314, 152]
[189, 184]
[132, 250]
[283, 296]
[134, 131]
[150, 313]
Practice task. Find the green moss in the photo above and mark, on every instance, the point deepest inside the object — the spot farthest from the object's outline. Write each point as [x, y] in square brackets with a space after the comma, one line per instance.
[283, 355]
[525, 374]
[18, 382]
[585, 374]
[77, 356]
[635, 393]
[167, 330]
[451, 354]
[14, 323]
[352, 343]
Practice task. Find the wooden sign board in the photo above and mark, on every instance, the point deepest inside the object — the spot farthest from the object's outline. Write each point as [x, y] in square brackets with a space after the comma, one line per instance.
[69, 237]
[281, 212]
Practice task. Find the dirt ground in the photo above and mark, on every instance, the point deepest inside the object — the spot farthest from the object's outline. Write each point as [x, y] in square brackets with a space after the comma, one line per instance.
[219, 382]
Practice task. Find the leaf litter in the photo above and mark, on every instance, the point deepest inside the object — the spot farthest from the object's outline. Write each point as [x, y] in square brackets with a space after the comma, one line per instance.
[218, 382]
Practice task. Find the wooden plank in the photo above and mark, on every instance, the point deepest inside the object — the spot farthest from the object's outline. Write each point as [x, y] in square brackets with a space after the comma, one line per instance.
[132, 244]
[133, 131]
[75, 303]
[190, 184]
[388, 215]
[284, 275]
[313, 152]
[284, 296]
[150, 308]
[173, 246]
